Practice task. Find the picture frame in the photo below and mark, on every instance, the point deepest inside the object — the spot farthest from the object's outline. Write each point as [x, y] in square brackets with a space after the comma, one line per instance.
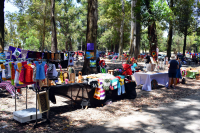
[2, 57]
[89, 55]
[92, 63]
[90, 46]
[43, 102]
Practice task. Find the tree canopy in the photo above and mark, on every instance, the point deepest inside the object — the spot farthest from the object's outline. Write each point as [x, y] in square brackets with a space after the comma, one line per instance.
[31, 26]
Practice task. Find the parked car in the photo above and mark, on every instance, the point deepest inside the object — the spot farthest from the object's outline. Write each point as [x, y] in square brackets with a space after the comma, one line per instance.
[114, 55]
[101, 53]
[161, 57]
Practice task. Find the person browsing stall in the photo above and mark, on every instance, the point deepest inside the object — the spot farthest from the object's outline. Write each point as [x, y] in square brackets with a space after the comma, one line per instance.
[134, 67]
[173, 66]
[148, 58]
[178, 73]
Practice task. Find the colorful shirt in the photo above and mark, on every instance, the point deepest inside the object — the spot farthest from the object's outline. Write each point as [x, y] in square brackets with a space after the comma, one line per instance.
[40, 73]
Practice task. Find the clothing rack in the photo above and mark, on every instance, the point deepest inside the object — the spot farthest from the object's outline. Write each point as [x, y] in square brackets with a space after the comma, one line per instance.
[37, 89]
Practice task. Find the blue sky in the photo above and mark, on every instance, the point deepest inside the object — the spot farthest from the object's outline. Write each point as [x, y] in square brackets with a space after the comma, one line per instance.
[10, 7]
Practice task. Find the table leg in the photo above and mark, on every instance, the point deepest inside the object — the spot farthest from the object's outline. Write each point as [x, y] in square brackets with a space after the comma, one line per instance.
[36, 101]
[15, 100]
[77, 94]
[26, 97]
[71, 96]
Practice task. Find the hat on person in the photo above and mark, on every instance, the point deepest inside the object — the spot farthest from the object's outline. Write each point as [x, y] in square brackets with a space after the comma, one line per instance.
[173, 57]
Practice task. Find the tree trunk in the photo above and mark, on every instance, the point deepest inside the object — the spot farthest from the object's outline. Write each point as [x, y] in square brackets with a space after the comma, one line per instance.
[81, 44]
[2, 24]
[133, 29]
[185, 37]
[138, 34]
[152, 37]
[112, 47]
[44, 26]
[169, 40]
[121, 32]
[91, 36]
[66, 46]
[53, 27]
[70, 43]
[116, 48]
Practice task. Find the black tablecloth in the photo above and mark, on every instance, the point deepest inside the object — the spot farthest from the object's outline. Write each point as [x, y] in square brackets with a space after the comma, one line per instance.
[68, 90]
[74, 92]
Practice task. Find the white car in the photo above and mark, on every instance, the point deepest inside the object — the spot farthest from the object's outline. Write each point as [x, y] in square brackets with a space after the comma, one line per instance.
[161, 57]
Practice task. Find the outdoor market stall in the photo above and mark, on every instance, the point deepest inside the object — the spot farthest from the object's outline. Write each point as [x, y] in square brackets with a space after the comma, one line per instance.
[96, 89]
[40, 72]
[146, 78]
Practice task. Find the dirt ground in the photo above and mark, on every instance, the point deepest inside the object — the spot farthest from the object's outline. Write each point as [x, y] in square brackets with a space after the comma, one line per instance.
[64, 118]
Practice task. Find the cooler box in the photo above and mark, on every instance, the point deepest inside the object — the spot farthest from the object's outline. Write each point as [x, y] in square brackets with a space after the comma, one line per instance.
[26, 115]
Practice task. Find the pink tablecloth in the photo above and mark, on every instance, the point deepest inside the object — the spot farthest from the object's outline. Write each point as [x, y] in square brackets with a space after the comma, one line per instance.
[8, 86]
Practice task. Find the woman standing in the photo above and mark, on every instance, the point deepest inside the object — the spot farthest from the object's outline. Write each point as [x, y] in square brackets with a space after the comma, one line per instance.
[178, 73]
[173, 66]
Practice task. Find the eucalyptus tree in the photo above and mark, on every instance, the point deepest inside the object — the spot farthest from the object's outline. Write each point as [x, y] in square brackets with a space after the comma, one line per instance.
[68, 22]
[91, 36]
[2, 23]
[111, 18]
[135, 28]
[169, 40]
[53, 28]
[185, 22]
[152, 11]
[121, 31]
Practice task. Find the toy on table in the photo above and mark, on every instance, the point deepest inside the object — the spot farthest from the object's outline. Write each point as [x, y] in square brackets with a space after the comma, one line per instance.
[80, 78]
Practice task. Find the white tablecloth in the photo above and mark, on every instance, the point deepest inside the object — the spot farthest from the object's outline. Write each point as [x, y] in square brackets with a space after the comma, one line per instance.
[146, 78]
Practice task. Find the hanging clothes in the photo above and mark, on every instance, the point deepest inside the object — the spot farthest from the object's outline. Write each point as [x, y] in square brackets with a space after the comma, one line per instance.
[114, 83]
[45, 69]
[22, 73]
[12, 72]
[28, 74]
[19, 66]
[34, 73]
[121, 90]
[3, 72]
[6, 71]
[40, 73]
[16, 80]
[0, 73]
[9, 70]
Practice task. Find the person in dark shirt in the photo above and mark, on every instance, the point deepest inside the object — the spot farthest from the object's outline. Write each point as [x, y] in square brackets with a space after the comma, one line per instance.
[97, 65]
[148, 58]
[173, 66]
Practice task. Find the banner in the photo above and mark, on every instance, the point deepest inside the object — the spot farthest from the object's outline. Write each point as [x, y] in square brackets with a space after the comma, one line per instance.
[16, 52]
